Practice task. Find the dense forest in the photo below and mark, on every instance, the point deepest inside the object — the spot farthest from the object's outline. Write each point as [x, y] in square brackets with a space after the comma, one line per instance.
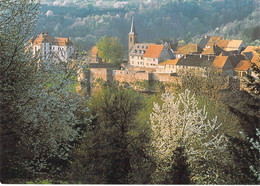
[85, 22]
[190, 134]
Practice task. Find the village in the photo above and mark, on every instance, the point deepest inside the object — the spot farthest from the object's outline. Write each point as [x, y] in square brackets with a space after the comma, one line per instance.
[157, 62]
[154, 92]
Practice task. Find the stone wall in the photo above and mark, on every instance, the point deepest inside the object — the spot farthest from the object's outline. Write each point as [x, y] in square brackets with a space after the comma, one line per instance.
[130, 76]
[166, 77]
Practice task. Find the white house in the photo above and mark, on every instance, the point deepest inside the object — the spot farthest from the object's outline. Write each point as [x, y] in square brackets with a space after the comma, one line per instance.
[155, 54]
[56, 48]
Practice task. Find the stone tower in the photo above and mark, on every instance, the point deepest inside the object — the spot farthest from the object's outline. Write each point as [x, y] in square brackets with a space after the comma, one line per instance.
[132, 37]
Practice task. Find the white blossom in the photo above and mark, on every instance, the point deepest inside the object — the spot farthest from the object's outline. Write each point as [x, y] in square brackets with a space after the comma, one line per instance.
[179, 122]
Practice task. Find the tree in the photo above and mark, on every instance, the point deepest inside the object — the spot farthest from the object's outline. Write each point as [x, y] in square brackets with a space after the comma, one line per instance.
[38, 109]
[110, 50]
[113, 147]
[180, 125]
[209, 85]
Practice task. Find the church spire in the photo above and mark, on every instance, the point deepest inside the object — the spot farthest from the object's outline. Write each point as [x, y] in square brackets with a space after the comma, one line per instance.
[132, 36]
[132, 31]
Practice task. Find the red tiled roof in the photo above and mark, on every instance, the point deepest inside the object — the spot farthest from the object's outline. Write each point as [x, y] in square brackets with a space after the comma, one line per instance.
[213, 49]
[153, 51]
[220, 61]
[169, 62]
[222, 44]
[234, 43]
[251, 48]
[189, 48]
[213, 40]
[243, 65]
[255, 55]
[45, 38]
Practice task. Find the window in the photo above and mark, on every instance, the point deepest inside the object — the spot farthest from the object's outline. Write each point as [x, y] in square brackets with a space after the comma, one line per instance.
[44, 48]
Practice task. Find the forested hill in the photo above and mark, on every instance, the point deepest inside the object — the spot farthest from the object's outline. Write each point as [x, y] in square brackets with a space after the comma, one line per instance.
[86, 21]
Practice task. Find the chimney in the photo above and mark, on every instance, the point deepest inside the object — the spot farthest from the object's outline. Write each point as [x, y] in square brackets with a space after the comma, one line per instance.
[200, 55]
[208, 56]
[205, 36]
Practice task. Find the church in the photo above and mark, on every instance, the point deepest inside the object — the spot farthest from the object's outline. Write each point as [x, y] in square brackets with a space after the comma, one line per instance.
[147, 55]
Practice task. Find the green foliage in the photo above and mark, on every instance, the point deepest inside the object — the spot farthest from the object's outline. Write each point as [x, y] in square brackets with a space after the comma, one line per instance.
[112, 149]
[161, 19]
[110, 50]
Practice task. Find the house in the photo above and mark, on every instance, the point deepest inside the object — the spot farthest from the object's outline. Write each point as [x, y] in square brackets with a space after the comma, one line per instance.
[222, 44]
[188, 49]
[203, 42]
[212, 40]
[243, 68]
[197, 64]
[212, 50]
[155, 54]
[145, 54]
[236, 45]
[56, 48]
[136, 55]
[223, 64]
[252, 55]
[168, 66]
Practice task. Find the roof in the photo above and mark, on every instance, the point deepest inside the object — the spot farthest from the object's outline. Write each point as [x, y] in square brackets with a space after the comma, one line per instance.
[214, 50]
[46, 38]
[220, 61]
[243, 65]
[203, 42]
[196, 60]
[251, 49]
[213, 40]
[169, 62]
[189, 49]
[234, 44]
[251, 54]
[222, 43]
[235, 59]
[154, 51]
[139, 49]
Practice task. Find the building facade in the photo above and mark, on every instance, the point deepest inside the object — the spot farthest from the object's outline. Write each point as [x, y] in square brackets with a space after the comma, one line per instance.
[54, 48]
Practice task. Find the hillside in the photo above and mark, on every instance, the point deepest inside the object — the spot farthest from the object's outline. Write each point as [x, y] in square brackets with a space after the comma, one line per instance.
[86, 21]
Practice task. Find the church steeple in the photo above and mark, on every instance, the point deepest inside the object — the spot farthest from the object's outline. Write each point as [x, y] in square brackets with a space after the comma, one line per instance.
[132, 36]
[132, 31]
